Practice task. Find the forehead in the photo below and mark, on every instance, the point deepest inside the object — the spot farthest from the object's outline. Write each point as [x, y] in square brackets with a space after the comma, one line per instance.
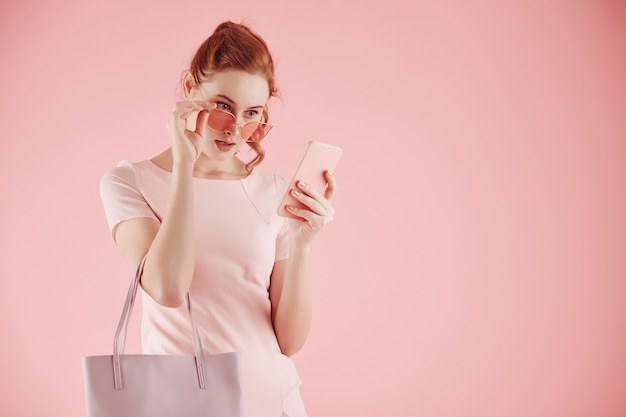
[243, 88]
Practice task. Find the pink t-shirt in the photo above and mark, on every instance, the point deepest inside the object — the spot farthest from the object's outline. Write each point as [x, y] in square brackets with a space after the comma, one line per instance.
[238, 238]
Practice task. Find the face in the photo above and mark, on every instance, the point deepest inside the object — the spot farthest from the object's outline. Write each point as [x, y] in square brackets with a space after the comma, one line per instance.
[240, 93]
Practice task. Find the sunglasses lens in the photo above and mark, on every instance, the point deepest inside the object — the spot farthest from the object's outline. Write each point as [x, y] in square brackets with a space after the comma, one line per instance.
[254, 132]
[220, 120]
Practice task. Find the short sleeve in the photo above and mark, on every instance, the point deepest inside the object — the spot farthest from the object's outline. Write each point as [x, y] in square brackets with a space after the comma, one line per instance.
[282, 240]
[121, 196]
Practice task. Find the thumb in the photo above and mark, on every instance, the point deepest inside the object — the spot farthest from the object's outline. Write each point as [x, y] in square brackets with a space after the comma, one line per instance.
[202, 123]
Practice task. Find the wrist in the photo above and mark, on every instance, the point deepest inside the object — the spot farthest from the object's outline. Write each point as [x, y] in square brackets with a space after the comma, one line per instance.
[183, 168]
[299, 246]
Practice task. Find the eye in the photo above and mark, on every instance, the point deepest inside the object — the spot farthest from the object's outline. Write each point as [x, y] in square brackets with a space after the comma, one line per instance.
[220, 105]
[250, 114]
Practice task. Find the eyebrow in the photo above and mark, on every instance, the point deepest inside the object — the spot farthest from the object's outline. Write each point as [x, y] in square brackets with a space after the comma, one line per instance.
[228, 99]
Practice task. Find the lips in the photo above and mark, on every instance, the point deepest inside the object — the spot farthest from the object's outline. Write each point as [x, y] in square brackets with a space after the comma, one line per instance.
[224, 146]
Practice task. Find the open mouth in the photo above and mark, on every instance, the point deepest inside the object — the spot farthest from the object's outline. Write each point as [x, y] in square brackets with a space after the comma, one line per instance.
[224, 146]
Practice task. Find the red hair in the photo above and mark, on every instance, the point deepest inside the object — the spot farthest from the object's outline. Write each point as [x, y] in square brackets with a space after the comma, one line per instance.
[235, 46]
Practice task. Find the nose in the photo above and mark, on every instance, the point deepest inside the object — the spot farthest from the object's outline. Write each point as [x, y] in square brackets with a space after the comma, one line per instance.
[235, 128]
[234, 131]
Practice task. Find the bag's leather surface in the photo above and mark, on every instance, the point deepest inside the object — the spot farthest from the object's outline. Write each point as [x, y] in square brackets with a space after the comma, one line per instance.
[121, 385]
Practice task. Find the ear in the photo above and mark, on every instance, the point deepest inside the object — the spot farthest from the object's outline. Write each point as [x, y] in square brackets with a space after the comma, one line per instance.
[188, 82]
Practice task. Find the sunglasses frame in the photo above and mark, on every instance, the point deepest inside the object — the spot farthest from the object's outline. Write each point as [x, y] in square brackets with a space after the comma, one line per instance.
[266, 129]
[266, 126]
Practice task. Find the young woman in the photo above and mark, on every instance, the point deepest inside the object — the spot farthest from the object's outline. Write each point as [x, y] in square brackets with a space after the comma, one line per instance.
[207, 224]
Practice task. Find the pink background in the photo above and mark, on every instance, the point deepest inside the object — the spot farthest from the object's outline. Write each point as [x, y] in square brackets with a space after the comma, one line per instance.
[477, 263]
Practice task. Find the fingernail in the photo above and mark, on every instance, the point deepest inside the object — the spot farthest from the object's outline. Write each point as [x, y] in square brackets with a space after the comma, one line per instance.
[295, 192]
[301, 184]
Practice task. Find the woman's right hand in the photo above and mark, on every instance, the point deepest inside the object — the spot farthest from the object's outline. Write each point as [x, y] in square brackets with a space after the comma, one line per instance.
[187, 145]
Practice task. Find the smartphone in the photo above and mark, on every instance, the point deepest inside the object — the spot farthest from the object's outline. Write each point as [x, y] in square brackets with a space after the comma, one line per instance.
[318, 158]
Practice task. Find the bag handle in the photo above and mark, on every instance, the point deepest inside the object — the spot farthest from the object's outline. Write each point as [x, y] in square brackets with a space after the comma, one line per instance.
[118, 346]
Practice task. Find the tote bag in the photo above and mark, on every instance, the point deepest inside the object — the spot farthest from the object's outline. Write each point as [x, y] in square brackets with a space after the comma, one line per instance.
[122, 385]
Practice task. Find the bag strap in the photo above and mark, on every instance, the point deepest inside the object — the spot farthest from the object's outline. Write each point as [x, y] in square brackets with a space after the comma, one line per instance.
[119, 345]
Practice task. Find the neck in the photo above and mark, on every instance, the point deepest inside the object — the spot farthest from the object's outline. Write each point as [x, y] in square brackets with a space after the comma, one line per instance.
[231, 169]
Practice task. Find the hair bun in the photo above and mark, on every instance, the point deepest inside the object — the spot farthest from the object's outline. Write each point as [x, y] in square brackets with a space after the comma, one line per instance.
[225, 26]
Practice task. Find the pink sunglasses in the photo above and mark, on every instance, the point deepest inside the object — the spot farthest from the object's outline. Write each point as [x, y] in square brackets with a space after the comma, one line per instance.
[223, 121]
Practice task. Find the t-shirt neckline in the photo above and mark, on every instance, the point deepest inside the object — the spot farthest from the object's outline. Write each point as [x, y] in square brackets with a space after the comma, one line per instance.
[155, 166]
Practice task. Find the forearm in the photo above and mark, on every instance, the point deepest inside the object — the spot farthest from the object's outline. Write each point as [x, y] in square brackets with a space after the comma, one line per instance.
[292, 319]
[170, 262]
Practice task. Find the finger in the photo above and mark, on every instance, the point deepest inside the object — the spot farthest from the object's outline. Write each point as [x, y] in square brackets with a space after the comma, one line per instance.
[184, 108]
[176, 124]
[201, 123]
[312, 202]
[331, 188]
[315, 221]
[195, 104]
[201, 105]
[308, 190]
[179, 118]
[195, 141]
[305, 215]
[322, 199]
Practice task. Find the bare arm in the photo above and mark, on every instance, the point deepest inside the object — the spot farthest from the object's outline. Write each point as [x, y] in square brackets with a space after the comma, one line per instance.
[169, 246]
[169, 266]
[290, 292]
[290, 295]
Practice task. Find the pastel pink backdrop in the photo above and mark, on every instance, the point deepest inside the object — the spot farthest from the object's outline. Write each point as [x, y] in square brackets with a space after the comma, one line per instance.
[477, 264]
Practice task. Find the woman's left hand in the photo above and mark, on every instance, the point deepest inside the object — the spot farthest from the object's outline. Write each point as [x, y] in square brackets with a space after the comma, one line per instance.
[319, 211]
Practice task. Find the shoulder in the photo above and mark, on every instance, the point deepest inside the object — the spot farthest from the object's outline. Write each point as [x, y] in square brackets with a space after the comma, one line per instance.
[126, 172]
[122, 192]
[123, 170]
[125, 178]
[123, 173]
